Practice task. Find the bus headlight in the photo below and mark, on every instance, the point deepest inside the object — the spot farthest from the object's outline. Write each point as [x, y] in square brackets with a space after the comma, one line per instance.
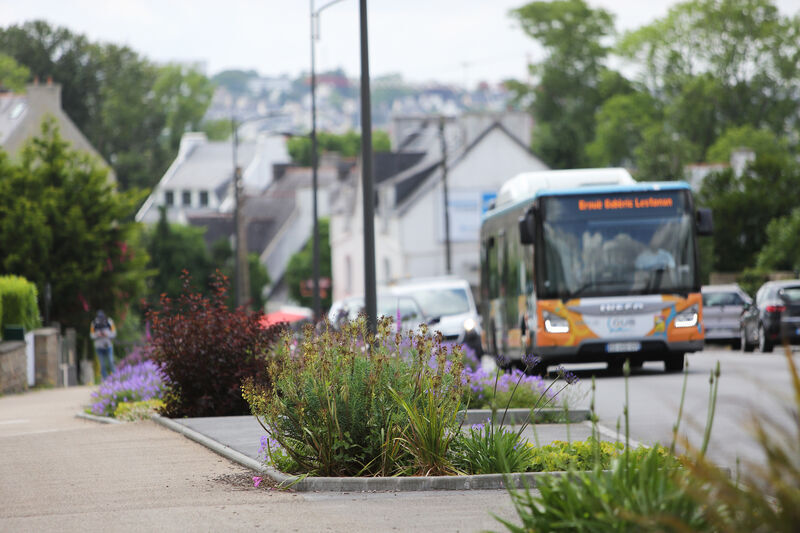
[469, 324]
[554, 323]
[686, 318]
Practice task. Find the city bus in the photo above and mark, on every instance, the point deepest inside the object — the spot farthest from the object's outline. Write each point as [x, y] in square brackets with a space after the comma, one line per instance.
[590, 265]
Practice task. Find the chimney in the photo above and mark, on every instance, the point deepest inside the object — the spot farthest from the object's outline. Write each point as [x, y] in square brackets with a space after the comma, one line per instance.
[47, 97]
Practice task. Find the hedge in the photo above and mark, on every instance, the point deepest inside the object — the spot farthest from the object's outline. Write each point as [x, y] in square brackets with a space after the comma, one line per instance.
[18, 303]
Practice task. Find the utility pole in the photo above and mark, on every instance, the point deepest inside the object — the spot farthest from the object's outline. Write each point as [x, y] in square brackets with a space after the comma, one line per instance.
[241, 268]
[370, 291]
[443, 142]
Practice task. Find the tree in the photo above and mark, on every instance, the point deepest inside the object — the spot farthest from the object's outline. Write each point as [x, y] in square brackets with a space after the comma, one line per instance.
[173, 249]
[782, 249]
[184, 95]
[217, 130]
[662, 154]
[568, 92]
[300, 268]
[62, 223]
[747, 55]
[131, 110]
[621, 123]
[762, 141]
[13, 76]
[346, 144]
[745, 205]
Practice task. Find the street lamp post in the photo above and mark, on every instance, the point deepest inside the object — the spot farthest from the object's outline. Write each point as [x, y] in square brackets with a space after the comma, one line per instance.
[370, 293]
[314, 162]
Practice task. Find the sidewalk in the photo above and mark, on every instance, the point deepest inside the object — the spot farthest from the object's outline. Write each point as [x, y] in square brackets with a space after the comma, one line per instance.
[70, 474]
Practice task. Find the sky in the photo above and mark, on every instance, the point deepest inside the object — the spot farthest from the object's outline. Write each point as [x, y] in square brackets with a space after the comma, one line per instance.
[453, 41]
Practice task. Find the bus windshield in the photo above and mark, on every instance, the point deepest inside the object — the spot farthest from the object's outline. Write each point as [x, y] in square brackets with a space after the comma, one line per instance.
[616, 244]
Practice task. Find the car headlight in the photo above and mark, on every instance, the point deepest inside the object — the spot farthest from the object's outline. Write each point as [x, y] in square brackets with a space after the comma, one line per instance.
[470, 324]
[686, 318]
[554, 323]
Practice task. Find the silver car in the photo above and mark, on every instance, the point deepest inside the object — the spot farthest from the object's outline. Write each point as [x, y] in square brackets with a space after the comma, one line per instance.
[722, 311]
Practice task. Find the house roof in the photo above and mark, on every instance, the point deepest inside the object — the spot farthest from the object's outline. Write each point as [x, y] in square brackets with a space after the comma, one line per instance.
[209, 166]
[408, 183]
[13, 108]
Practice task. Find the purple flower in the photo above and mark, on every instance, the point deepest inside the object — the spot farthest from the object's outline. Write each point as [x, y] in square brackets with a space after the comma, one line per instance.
[531, 361]
[256, 481]
[567, 376]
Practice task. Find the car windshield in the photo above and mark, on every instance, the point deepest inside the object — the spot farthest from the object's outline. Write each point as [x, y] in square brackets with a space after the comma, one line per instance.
[404, 307]
[601, 245]
[721, 298]
[442, 302]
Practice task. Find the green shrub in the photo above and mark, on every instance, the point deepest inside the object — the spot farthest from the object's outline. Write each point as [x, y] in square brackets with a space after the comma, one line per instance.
[335, 408]
[18, 302]
[585, 455]
[142, 410]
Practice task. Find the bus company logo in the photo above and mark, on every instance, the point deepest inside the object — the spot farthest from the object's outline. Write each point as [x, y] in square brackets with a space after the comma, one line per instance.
[617, 324]
[621, 307]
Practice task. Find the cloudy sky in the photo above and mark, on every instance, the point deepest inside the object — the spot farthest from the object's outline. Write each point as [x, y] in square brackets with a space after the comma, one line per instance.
[461, 41]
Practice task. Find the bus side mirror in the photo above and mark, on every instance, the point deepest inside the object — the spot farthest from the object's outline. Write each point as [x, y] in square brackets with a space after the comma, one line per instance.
[705, 223]
[527, 227]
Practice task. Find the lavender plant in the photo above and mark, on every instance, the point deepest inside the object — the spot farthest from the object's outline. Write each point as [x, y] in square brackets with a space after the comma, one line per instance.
[133, 383]
[492, 447]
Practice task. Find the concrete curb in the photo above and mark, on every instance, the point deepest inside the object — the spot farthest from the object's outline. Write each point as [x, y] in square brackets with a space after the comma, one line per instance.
[225, 451]
[100, 419]
[360, 484]
[519, 415]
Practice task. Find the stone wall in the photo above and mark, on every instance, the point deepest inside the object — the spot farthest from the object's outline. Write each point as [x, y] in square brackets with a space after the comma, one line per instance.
[13, 367]
[46, 356]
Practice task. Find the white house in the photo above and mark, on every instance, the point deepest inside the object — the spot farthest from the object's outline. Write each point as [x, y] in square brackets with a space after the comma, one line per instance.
[409, 222]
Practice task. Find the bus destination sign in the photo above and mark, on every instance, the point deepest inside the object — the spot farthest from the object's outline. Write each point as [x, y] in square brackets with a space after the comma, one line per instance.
[635, 202]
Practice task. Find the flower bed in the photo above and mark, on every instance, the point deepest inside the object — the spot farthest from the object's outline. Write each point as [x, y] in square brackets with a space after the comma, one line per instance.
[351, 403]
[129, 383]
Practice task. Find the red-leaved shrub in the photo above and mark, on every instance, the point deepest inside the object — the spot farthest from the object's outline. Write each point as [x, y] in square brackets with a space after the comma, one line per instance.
[207, 349]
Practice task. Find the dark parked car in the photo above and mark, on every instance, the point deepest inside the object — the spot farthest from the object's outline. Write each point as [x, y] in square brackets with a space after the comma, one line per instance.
[722, 312]
[775, 317]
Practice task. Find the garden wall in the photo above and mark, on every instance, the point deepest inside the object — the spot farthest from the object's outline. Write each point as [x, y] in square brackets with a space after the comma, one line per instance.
[13, 367]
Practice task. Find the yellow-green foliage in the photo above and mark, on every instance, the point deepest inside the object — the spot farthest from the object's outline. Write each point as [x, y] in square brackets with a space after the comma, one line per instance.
[131, 411]
[18, 302]
[582, 455]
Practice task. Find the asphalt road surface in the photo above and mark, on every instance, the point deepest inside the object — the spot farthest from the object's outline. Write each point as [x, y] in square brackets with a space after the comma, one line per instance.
[752, 385]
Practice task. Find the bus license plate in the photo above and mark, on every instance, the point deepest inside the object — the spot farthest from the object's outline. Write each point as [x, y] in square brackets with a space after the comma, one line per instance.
[619, 347]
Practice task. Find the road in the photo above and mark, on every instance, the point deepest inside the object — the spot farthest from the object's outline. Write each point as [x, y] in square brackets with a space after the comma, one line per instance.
[751, 385]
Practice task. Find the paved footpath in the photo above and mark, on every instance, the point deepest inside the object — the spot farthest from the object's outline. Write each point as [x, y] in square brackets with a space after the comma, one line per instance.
[62, 473]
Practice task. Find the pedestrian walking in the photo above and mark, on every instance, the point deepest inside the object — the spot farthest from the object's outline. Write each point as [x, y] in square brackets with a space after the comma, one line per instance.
[103, 332]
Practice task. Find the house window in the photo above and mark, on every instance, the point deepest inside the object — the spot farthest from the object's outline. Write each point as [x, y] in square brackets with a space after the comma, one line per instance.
[187, 197]
[203, 198]
[169, 198]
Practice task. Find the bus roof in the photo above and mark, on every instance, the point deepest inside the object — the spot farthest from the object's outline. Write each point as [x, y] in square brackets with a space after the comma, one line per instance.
[525, 187]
